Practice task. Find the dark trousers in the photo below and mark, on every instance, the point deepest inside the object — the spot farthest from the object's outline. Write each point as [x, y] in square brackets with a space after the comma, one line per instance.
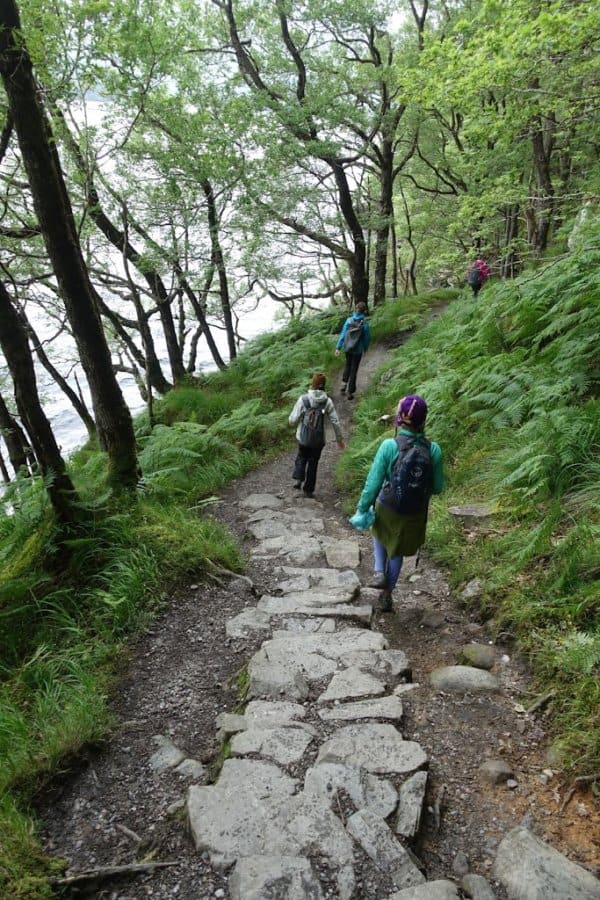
[350, 370]
[475, 288]
[305, 467]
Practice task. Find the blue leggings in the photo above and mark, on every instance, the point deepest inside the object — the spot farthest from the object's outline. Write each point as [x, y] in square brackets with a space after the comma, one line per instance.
[383, 563]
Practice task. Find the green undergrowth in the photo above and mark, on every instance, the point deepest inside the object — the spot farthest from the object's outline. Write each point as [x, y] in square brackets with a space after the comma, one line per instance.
[512, 381]
[67, 608]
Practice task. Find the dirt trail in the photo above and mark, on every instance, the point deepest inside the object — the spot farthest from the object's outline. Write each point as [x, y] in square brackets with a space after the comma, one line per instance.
[183, 671]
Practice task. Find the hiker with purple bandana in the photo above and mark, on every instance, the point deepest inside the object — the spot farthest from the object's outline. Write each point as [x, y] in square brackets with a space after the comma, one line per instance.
[406, 471]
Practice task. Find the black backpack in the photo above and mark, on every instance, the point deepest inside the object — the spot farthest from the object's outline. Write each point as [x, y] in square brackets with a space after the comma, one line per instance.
[312, 427]
[354, 332]
[474, 276]
[411, 484]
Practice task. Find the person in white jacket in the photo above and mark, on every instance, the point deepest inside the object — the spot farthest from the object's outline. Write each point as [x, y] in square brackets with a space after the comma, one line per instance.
[310, 414]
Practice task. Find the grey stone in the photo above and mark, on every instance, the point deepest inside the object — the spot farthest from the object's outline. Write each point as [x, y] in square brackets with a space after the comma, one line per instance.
[309, 624]
[528, 869]
[432, 618]
[411, 800]
[228, 724]
[472, 589]
[482, 656]
[235, 816]
[461, 679]
[387, 664]
[364, 789]
[472, 514]
[167, 756]
[382, 708]
[378, 747]
[271, 714]
[269, 679]
[495, 771]
[333, 646]
[284, 745]
[431, 890]
[249, 622]
[191, 768]
[297, 579]
[378, 842]
[298, 548]
[460, 864]
[258, 501]
[314, 597]
[477, 887]
[348, 612]
[352, 683]
[343, 554]
[274, 878]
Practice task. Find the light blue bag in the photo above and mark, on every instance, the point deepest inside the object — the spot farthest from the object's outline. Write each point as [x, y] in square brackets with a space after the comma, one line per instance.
[363, 520]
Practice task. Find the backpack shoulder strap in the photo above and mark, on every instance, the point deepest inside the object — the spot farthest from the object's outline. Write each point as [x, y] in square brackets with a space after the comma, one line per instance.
[305, 401]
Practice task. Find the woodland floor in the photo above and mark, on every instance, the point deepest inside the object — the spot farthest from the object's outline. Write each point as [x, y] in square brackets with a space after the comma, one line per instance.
[179, 674]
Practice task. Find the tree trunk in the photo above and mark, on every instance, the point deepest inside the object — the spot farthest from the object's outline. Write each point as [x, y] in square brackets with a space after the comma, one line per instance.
[386, 214]
[4, 470]
[219, 262]
[357, 262]
[15, 346]
[19, 451]
[55, 216]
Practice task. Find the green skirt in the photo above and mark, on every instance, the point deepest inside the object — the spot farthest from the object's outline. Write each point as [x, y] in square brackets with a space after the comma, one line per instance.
[401, 535]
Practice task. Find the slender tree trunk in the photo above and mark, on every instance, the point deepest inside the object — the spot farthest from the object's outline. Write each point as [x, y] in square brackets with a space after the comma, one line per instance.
[219, 262]
[19, 451]
[55, 216]
[4, 470]
[15, 347]
[76, 402]
[394, 261]
[386, 214]
[357, 262]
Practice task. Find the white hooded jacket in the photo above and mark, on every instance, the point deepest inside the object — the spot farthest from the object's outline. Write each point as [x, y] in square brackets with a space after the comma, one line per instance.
[315, 398]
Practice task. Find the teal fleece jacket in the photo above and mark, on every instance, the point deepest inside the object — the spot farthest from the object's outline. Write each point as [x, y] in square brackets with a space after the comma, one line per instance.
[365, 338]
[381, 469]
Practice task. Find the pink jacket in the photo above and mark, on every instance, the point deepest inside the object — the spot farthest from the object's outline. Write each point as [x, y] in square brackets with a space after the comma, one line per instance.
[483, 268]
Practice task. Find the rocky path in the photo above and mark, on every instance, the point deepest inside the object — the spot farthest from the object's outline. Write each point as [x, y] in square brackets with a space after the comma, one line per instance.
[279, 738]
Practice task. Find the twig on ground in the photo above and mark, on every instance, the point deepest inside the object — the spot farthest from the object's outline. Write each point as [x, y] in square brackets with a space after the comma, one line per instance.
[223, 571]
[105, 872]
[437, 807]
[541, 701]
[581, 779]
[129, 833]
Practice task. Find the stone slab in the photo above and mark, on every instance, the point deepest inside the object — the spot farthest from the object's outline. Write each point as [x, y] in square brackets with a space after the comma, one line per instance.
[307, 624]
[249, 623]
[351, 683]
[271, 714]
[461, 679]
[258, 501]
[529, 869]
[234, 817]
[364, 789]
[377, 747]
[274, 878]
[411, 800]
[386, 664]
[269, 679]
[431, 890]
[302, 579]
[283, 745]
[314, 597]
[378, 842]
[389, 708]
[297, 548]
[342, 554]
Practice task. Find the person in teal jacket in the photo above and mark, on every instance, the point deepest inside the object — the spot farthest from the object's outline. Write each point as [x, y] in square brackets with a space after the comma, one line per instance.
[395, 534]
[354, 340]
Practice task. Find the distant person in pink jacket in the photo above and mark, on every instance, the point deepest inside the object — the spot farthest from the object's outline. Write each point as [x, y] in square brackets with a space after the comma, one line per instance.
[477, 274]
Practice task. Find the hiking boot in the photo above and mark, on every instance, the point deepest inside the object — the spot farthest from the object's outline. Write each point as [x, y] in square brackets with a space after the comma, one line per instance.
[308, 494]
[297, 485]
[350, 396]
[343, 387]
[384, 601]
[378, 580]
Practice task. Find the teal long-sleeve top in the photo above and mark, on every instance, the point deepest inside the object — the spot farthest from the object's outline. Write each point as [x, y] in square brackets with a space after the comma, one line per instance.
[382, 465]
[365, 338]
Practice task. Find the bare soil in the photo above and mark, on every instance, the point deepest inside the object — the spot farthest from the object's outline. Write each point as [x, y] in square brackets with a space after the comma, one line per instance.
[183, 671]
